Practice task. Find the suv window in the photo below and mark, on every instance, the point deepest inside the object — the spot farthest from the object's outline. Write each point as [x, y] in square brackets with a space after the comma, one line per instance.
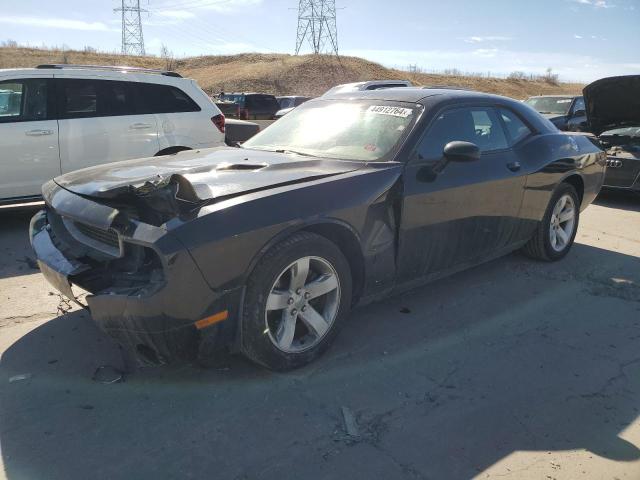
[478, 125]
[78, 98]
[24, 100]
[165, 99]
[81, 98]
[515, 127]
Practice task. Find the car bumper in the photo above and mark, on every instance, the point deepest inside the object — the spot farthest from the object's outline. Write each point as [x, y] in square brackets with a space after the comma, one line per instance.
[157, 324]
[623, 173]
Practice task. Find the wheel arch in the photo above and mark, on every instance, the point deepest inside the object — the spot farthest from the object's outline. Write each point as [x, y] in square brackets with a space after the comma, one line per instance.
[343, 235]
[575, 180]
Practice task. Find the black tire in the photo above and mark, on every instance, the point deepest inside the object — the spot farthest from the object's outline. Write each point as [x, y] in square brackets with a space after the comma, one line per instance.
[539, 247]
[256, 344]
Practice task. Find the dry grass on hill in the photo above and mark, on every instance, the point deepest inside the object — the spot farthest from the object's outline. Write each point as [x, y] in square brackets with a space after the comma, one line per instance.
[282, 74]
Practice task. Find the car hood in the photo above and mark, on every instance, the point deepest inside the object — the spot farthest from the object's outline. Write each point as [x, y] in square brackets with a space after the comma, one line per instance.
[613, 102]
[199, 176]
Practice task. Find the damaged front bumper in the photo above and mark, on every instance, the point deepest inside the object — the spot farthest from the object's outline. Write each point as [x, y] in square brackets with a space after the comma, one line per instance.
[150, 297]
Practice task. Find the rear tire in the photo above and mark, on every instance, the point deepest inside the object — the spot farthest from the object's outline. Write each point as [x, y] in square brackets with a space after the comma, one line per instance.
[557, 230]
[297, 298]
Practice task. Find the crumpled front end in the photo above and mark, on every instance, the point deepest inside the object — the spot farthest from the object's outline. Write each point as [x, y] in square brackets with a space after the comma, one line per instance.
[145, 289]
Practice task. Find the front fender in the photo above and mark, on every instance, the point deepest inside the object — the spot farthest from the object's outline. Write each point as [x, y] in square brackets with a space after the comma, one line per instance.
[228, 238]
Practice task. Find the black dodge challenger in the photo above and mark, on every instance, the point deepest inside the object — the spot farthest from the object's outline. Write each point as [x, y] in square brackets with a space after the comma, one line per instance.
[264, 249]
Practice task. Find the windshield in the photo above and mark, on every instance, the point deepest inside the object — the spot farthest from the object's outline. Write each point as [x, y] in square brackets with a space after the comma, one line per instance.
[349, 130]
[559, 105]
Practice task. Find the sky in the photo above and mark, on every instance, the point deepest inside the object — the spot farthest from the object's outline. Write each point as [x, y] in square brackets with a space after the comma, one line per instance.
[581, 40]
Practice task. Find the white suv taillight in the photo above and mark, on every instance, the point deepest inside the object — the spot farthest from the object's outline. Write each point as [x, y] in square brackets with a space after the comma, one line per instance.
[219, 121]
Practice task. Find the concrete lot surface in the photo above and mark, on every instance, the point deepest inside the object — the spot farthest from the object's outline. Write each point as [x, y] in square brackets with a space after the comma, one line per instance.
[512, 370]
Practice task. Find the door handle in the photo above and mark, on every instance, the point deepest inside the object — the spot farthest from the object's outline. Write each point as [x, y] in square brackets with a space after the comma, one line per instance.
[514, 166]
[38, 133]
[139, 126]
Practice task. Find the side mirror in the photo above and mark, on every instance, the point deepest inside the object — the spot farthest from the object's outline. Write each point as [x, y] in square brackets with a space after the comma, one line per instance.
[579, 113]
[461, 152]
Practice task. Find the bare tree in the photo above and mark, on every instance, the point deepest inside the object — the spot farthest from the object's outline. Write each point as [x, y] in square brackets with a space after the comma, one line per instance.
[167, 56]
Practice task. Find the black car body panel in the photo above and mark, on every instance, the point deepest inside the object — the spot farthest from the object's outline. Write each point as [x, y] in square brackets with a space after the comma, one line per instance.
[190, 233]
[613, 110]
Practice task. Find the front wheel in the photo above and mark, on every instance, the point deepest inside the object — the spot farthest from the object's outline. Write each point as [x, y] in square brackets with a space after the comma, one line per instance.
[297, 297]
[557, 230]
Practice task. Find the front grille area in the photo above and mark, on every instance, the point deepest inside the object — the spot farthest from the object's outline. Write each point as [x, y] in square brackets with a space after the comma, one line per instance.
[108, 237]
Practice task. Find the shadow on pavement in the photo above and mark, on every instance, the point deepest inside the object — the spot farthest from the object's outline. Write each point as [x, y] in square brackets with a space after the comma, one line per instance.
[514, 355]
[16, 257]
[620, 200]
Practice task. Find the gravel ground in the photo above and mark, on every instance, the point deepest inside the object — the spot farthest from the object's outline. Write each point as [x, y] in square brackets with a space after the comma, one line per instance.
[515, 369]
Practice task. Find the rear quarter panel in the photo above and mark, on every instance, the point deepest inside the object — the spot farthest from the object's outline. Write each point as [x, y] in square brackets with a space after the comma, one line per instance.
[548, 160]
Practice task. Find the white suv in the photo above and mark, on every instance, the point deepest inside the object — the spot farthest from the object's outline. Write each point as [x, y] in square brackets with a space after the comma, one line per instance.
[59, 118]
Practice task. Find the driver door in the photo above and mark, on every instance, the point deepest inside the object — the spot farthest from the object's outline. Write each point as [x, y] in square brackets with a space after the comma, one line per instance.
[458, 213]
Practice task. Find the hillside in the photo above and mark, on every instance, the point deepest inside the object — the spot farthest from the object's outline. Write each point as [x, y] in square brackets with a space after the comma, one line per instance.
[280, 73]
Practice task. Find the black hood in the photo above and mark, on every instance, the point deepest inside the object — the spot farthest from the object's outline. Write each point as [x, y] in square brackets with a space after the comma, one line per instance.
[613, 102]
[202, 175]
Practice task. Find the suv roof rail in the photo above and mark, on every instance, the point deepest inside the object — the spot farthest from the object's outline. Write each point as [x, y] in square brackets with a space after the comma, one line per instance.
[166, 73]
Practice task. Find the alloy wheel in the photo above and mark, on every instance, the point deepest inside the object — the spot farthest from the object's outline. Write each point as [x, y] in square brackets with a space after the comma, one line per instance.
[563, 221]
[302, 304]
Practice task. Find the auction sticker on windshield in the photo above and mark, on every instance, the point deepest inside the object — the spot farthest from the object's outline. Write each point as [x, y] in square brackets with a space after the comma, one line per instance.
[393, 111]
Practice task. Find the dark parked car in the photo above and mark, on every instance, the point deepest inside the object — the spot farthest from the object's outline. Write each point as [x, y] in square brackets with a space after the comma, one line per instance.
[613, 109]
[253, 106]
[264, 249]
[565, 112]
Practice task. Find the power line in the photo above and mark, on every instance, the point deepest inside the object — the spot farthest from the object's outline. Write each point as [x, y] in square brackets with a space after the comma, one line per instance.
[132, 38]
[317, 24]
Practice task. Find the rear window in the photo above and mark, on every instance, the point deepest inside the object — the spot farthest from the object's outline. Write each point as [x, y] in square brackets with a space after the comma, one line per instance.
[165, 99]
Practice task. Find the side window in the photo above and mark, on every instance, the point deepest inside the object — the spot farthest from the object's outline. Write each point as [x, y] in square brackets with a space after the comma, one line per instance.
[166, 99]
[516, 128]
[78, 98]
[579, 105]
[23, 100]
[10, 101]
[115, 98]
[479, 125]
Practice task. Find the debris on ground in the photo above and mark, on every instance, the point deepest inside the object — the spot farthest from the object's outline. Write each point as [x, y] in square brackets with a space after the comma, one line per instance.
[64, 305]
[405, 310]
[108, 375]
[350, 424]
[18, 378]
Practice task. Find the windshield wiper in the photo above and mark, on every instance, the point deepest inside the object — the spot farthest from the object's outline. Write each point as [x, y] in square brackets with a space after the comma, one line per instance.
[294, 152]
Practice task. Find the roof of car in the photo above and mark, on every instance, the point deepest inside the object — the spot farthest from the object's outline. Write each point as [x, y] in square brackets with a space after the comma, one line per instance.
[410, 94]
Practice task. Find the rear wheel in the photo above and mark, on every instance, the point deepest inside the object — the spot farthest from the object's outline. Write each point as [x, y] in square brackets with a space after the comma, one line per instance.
[297, 298]
[557, 230]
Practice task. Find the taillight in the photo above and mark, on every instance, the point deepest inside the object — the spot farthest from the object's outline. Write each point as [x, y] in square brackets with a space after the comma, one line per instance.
[219, 121]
